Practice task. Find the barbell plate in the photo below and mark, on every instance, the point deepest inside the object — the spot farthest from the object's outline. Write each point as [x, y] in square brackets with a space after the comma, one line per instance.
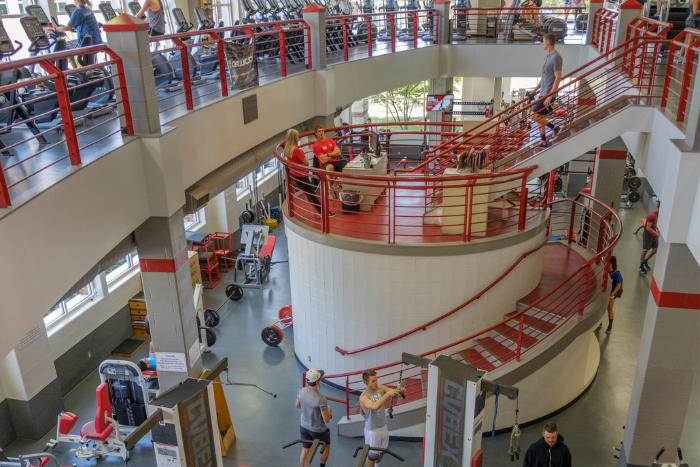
[272, 335]
[285, 313]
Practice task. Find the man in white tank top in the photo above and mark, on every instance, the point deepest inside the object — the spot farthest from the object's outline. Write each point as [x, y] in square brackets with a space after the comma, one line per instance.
[372, 402]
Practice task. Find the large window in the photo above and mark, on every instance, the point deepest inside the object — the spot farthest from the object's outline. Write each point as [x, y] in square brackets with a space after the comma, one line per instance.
[121, 266]
[242, 185]
[266, 169]
[190, 220]
[63, 307]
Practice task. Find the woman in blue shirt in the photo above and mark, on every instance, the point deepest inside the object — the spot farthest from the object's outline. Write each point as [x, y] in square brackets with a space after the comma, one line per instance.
[84, 22]
[616, 290]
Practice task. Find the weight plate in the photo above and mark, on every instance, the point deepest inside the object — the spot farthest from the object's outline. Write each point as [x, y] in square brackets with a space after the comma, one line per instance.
[285, 313]
[211, 318]
[272, 335]
[211, 338]
[558, 184]
[631, 171]
[234, 292]
[633, 197]
[635, 182]
[148, 326]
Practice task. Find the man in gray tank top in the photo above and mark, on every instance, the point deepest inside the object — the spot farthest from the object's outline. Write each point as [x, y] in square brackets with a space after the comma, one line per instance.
[551, 78]
[315, 413]
[372, 401]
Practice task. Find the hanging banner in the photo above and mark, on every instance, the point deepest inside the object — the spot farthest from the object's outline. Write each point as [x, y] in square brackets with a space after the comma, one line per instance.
[242, 65]
[437, 102]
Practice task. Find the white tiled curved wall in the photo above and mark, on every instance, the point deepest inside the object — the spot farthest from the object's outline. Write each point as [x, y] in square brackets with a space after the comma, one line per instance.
[351, 299]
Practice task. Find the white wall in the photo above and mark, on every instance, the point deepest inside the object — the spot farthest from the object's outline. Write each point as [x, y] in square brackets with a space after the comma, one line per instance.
[351, 299]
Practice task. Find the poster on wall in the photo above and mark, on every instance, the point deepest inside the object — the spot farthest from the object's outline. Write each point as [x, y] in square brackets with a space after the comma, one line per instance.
[242, 65]
[437, 102]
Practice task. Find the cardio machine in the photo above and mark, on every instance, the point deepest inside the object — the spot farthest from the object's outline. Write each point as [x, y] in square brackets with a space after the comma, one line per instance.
[107, 11]
[391, 6]
[10, 100]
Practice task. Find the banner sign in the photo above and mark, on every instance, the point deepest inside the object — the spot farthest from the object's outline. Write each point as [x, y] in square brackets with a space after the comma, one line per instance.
[242, 65]
[437, 102]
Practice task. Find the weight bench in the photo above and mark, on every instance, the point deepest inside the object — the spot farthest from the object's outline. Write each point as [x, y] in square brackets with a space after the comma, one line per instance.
[269, 247]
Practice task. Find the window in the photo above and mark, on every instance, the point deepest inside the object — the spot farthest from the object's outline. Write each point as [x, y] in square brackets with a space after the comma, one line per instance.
[190, 220]
[241, 184]
[121, 266]
[265, 169]
[63, 307]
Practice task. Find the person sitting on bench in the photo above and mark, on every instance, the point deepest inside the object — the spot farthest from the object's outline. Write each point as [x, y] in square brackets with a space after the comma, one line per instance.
[150, 362]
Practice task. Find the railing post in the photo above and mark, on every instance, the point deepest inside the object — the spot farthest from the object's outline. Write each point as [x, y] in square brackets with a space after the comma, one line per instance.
[594, 6]
[442, 9]
[128, 38]
[369, 35]
[4, 192]
[520, 337]
[347, 397]
[584, 289]
[392, 23]
[290, 192]
[66, 111]
[222, 63]
[628, 11]
[345, 39]
[604, 284]
[415, 29]
[315, 17]
[283, 49]
[571, 222]
[523, 204]
[323, 191]
[186, 78]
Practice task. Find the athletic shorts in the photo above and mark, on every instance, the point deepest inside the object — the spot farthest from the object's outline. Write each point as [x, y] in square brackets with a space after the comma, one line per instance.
[377, 439]
[337, 165]
[692, 23]
[541, 109]
[324, 436]
[152, 33]
[649, 242]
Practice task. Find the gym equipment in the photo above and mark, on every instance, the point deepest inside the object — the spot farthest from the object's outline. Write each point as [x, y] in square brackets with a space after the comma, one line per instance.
[273, 334]
[312, 450]
[248, 215]
[365, 452]
[103, 433]
[129, 390]
[134, 7]
[252, 263]
[456, 396]
[234, 292]
[391, 6]
[29, 460]
[207, 336]
[399, 386]
[107, 11]
[461, 21]
[659, 464]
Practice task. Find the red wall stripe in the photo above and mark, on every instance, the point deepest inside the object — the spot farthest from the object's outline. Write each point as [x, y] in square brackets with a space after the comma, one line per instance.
[687, 301]
[611, 154]
[163, 265]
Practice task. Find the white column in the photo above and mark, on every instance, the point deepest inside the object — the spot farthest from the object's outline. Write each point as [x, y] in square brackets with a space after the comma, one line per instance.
[315, 17]
[627, 12]
[594, 5]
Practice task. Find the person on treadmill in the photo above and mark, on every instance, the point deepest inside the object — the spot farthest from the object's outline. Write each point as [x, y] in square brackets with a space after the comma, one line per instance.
[85, 24]
[153, 9]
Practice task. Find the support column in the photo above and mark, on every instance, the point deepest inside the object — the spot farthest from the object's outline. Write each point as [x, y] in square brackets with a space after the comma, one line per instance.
[31, 387]
[128, 37]
[315, 17]
[609, 172]
[497, 90]
[668, 359]
[167, 287]
[476, 89]
[444, 26]
[628, 11]
[594, 5]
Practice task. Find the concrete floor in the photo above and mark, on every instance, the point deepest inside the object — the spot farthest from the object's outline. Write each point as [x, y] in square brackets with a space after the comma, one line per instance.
[591, 426]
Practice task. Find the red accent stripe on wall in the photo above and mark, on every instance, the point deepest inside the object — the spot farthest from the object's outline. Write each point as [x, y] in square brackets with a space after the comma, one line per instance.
[611, 154]
[687, 301]
[163, 265]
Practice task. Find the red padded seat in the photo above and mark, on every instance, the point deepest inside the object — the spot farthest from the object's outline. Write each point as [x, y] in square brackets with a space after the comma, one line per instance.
[100, 429]
[66, 422]
[151, 373]
[269, 247]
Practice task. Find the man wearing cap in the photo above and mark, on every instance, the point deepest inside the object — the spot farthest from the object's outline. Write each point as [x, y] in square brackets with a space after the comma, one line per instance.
[315, 413]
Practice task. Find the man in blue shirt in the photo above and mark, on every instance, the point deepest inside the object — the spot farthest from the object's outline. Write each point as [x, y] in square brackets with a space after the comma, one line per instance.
[615, 292]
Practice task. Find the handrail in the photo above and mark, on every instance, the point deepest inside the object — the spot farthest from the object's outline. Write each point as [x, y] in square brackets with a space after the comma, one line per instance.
[242, 27]
[451, 312]
[52, 57]
[494, 121]
[596, 258]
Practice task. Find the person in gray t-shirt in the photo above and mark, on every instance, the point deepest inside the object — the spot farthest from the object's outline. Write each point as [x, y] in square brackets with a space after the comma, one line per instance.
[315, 413]
[372, 401]
[551, 78]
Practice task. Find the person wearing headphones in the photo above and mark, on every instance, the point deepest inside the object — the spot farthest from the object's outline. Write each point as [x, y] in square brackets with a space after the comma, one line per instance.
[315, 414]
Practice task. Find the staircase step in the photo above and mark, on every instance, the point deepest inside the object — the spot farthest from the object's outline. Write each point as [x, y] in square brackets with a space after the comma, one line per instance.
[508, 335]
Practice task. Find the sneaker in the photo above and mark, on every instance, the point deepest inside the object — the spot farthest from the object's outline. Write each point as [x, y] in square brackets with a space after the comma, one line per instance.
[331, 214]
[646, 266]
[600, 325]
[656, 16]
[609, 330]
[544, 144]
[642, 270]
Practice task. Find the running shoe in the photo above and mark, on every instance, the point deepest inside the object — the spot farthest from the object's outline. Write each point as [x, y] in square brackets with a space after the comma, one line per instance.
[642, 270]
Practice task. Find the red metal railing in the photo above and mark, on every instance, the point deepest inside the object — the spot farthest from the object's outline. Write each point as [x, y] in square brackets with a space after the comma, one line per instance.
[592, 229]
[604, 29]
[352, 36]
[372, 205]
[65, 110]
[680, 73]
[590, 93]
[517, 24]
[190, 66]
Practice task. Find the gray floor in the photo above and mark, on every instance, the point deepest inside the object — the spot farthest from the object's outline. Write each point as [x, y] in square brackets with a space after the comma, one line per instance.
[591, 426]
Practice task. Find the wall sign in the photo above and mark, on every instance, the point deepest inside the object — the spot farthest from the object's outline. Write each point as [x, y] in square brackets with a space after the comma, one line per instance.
[35, 333]
[171, 361]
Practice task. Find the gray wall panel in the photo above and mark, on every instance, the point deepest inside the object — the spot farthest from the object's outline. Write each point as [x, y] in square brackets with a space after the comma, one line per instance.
[34, 418]
[7, 428]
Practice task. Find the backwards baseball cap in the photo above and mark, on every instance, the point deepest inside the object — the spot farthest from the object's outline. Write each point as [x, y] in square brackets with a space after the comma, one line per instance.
[314, 375]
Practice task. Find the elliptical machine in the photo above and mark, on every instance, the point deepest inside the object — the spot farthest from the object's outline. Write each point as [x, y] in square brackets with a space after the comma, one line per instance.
[406, 34]
[391, 6]
[461, 21]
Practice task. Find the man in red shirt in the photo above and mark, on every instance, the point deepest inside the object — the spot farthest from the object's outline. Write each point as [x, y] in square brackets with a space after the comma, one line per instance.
[327, 152]
[650, 240]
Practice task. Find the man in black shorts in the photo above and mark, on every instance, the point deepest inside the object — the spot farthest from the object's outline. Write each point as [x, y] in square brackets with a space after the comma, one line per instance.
[315, 413]
[551, 77]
